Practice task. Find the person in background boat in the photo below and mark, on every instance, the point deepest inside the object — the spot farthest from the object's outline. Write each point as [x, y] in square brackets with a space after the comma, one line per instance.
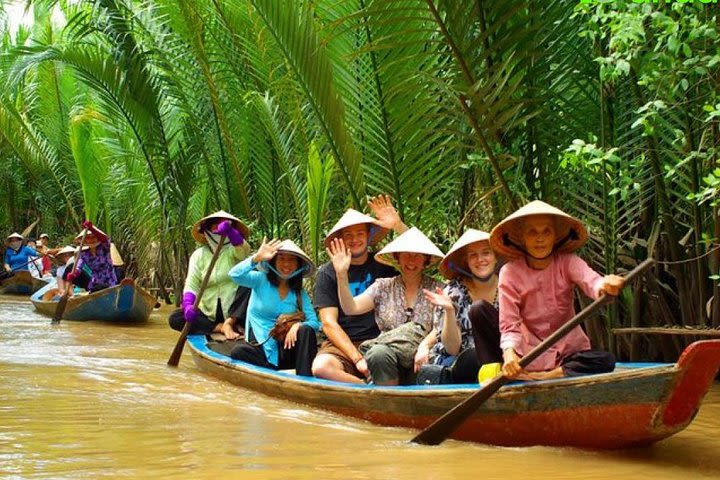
[64, 257]
[35, 266]
[338, 357]
[17, 256]
[536, 290]
[402, 312]
[96, 258]
[43, 248]
[223, 305]
[275, 275]
[466, 331]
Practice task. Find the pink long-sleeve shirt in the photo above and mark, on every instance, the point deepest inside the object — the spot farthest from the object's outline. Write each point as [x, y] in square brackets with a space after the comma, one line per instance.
[535, 303]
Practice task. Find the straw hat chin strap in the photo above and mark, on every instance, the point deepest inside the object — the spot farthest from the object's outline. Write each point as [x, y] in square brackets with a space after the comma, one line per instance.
[294, 274]
[214, 239]
[462, 271]
[572, 235]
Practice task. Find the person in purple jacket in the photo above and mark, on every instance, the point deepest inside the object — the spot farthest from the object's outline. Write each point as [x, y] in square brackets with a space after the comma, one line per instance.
[96, 258]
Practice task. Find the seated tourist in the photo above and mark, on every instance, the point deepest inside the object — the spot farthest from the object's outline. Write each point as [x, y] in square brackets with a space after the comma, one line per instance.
[275, 274]
[536, 291]
[35, 266]
[402, 312]
[467, 321]
[44, 248]
[338, 357]
[64, 257]
[222, 306]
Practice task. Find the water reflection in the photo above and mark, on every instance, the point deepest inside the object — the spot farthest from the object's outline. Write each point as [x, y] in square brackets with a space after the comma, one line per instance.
[93, 400]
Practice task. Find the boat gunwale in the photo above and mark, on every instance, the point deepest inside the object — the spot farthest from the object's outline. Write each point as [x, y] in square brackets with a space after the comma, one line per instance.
[638, 370]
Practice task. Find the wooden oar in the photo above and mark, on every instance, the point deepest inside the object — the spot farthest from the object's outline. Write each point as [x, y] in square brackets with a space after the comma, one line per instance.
[29, 229]
[444, 426]
[180, 345]
[60, 309]
[40, 255]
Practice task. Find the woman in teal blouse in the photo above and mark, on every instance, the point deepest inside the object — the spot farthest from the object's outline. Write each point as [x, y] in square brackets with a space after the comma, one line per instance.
[274, 274]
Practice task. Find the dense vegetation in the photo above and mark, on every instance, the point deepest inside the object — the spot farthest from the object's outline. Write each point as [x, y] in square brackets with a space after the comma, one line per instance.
[143, 116]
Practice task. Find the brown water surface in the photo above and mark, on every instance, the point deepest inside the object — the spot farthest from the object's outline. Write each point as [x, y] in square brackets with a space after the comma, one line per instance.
[92, 400]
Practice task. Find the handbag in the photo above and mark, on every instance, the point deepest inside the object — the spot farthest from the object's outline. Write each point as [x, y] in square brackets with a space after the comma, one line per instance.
[285, 321]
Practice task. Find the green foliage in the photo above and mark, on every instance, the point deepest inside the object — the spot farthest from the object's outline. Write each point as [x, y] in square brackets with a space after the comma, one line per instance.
[146, 115]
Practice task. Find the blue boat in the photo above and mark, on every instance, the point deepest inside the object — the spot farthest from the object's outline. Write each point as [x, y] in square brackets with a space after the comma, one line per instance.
[125, 302]
[636, 405]
[21, 283]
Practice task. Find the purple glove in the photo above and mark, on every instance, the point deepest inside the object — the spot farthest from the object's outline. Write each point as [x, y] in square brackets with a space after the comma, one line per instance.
[188, 305]
[72, 276]
[225, 228]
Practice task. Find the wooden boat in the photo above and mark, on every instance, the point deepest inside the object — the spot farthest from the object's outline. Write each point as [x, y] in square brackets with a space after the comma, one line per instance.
[638, 404]
[125, 302]
[22, 283]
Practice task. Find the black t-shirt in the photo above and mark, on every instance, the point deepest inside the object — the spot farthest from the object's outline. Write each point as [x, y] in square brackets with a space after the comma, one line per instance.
[357, 327]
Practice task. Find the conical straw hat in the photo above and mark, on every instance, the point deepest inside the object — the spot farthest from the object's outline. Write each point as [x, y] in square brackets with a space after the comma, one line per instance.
[288, 246]
[14, 235]
[507, 235]
[220, 214]
[412, 241]
[456, 256]
[351, 218]
[89, 233]
[66, 249]
[117, 260]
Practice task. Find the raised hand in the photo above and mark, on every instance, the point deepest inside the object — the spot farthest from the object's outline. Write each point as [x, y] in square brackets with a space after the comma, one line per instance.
[339, 255]
[87, 224]
[231, 233]
[267, 250]
[439, 298]
[385, 214]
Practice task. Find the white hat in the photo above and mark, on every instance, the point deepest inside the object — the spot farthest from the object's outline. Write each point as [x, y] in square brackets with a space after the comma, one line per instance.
[352, 218]
[66, 249]
[288, 246]
[198, 233]
[506, 237]
[455, 258]
[412, 241]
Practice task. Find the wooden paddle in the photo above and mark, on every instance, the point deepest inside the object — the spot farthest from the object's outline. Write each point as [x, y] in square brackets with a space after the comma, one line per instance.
[60, 309]
[441, 428]
[29, 229]
[180, 345]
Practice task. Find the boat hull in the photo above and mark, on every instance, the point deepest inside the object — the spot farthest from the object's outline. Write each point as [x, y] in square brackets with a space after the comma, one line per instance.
[125, 302]
[21, 283]
[637, 405]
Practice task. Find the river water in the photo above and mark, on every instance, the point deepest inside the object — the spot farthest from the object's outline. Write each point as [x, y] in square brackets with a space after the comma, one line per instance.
[91, 400]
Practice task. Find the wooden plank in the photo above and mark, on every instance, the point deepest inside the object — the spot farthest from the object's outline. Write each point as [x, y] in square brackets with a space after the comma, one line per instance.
[697, 332]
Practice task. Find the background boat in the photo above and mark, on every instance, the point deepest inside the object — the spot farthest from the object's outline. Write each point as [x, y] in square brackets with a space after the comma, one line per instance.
[126, 302]
[22, 283]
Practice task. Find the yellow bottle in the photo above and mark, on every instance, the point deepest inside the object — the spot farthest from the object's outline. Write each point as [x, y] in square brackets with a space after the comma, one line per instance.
[489, 371]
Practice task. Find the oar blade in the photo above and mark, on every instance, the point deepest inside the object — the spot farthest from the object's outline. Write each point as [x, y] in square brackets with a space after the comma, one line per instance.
[174, 359]
[444, 426]
[60, 309]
